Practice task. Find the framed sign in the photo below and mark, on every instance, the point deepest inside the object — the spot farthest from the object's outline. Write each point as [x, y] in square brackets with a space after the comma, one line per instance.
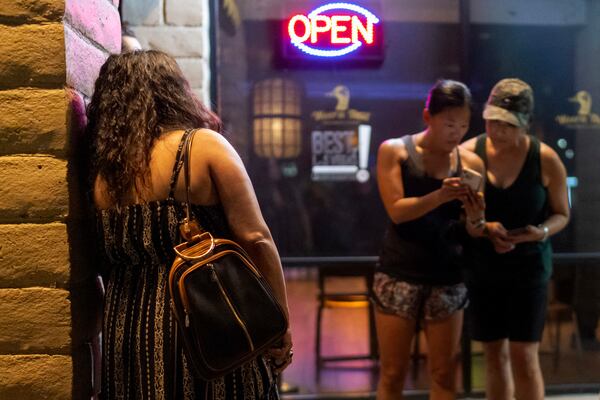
[333, 33]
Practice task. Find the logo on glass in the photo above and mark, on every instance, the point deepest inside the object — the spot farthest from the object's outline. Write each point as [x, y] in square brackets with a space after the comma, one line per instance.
[333, 30]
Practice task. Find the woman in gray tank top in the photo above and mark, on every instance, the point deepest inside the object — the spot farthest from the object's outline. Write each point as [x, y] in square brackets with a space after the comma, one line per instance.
[418, 279]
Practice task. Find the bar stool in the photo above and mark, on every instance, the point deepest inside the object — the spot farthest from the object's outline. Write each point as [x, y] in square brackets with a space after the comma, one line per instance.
[339, 300]
[556, 313]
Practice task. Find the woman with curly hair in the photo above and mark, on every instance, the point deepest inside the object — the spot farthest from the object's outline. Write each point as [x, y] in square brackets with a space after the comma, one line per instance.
[140, 115]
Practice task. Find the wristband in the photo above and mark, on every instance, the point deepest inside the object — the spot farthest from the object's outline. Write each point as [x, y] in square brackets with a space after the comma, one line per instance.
[478, 223]
[546, 232]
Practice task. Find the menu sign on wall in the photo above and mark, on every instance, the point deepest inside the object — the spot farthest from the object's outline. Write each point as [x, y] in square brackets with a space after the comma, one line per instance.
[341, 141]
[341, 154]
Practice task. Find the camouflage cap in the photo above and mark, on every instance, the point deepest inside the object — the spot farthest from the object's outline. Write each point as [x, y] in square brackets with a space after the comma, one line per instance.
[511, 100]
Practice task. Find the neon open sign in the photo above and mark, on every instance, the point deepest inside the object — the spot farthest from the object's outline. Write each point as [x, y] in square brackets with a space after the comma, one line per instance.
[333, 30]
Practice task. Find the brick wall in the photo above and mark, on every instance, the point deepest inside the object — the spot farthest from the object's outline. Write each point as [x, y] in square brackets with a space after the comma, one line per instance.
[49, 58]
[179, 28]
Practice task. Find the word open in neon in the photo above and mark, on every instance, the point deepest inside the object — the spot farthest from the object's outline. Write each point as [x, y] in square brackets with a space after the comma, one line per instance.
[333, 30]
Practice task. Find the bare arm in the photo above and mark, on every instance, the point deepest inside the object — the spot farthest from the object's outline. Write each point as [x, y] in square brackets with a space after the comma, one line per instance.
[389, 179]
[245, 219]
[555, 173]
[236, 194]
[554, 177]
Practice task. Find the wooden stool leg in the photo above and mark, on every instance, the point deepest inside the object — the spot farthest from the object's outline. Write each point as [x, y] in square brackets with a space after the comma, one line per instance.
[373, 347]
[318, 361]
[578, 346]
[556, 343]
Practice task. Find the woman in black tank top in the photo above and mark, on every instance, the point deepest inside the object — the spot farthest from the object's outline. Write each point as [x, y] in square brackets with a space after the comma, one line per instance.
[418, 277]
[507, 276]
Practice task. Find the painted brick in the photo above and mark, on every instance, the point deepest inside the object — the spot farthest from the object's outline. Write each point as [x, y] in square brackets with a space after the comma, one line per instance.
[176, 41]
[83, 62]
[35, 321]
[32, 121]
[204, 96]
[31, 11]
[32, 189]
[38, 377]
[143, 12]
[32, 55]
[185, 12]
[193, 69]
[45, 261]
[98, 20]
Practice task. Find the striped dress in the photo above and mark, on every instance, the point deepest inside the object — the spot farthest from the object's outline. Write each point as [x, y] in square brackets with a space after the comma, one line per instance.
[139, 328]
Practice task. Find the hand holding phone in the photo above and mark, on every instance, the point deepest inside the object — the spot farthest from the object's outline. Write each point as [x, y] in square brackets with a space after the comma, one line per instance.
[472, 178]
[518, 231]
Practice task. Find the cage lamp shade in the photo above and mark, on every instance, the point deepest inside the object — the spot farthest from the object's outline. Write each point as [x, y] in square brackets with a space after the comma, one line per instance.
[277, 125]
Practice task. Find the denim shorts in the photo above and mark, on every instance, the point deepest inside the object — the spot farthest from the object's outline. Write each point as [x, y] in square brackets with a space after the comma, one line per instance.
[417, 301]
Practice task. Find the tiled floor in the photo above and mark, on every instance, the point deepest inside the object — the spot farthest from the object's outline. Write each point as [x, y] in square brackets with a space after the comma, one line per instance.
[345, 330]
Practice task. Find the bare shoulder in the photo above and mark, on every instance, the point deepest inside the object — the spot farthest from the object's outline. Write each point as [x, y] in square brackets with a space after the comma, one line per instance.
[208, 137]
[392, 149]
[469, 144]
[551, 161]
[548, 154]
[212, 145]
[100, 193]
[470, 159]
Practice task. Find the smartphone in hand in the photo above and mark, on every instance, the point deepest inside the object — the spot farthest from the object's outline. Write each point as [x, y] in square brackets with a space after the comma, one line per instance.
[472, 178]
[517, 231]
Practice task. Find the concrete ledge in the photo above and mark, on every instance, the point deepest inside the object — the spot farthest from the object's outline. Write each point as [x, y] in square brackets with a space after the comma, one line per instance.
[35, 321]
[45, 261]
[33, 121]
[143, 12]
[38, 377]
[33, 189]
[176, 41]
[32, 55]
[185, 12]
[194, 70]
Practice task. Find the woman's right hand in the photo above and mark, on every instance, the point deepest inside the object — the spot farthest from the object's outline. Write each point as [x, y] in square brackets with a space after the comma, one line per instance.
[452, 189]
[499, 237]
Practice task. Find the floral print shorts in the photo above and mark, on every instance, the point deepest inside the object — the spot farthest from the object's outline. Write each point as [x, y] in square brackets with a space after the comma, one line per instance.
[417, 301]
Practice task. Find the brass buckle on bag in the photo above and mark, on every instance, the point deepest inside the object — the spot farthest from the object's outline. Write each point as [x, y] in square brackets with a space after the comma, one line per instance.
[196, 239]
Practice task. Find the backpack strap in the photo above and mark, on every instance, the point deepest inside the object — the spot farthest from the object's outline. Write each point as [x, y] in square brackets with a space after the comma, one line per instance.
[189, 227]
[178, 164]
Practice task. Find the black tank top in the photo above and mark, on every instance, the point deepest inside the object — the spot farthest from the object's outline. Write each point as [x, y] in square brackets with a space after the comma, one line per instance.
[426, 250]
[525, 202]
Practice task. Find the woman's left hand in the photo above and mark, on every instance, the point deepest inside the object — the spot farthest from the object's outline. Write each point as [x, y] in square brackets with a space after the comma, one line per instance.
[531, 234]
[281, 356]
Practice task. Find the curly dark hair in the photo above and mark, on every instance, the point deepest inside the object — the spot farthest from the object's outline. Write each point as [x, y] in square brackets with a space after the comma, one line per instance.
[137, 97]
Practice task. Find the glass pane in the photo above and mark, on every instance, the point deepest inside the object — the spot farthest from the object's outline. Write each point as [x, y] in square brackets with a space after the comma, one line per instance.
[315, 175]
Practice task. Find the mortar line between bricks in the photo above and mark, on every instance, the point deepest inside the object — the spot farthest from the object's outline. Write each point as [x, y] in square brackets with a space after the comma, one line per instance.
[69, 24]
